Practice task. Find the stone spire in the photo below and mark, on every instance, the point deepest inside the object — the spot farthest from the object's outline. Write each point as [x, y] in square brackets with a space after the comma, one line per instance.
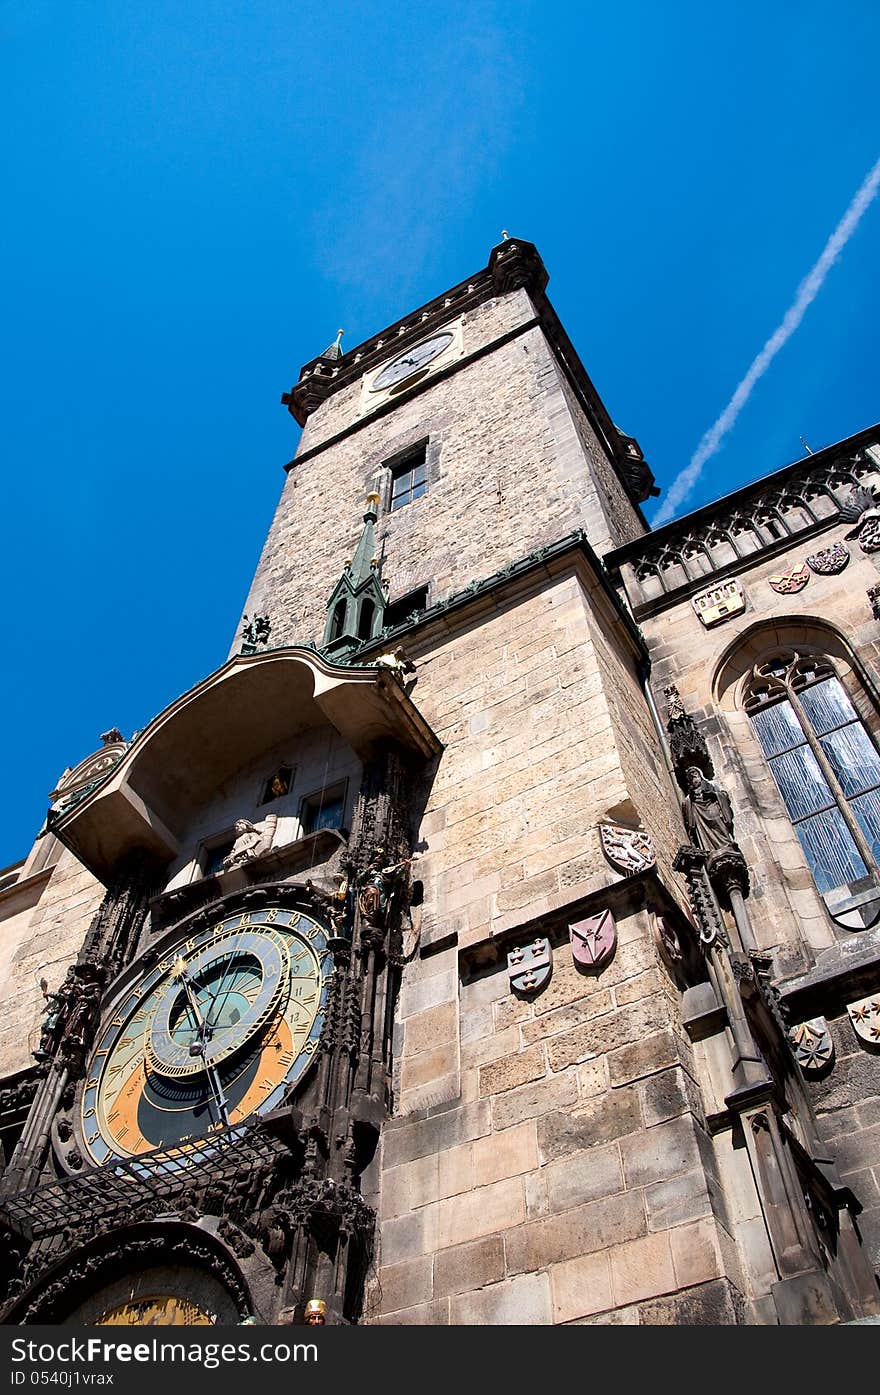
[335, 349]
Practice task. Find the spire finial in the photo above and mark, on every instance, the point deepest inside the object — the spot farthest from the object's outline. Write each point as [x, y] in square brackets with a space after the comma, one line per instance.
[335, 349]
[505, 235]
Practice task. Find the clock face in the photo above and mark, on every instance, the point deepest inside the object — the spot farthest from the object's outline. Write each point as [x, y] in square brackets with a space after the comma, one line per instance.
[220, 1029]
[410, 362]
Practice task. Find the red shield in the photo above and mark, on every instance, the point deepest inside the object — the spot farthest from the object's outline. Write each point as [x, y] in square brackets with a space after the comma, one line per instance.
[593, 941]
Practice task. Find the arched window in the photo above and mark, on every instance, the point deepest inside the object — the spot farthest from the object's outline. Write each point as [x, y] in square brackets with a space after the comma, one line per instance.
[338, 623]
[365, 623]
[824, 762]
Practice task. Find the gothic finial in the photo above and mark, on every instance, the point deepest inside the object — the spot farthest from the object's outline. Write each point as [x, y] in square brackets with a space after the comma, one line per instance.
[687, 745]
[335, 349]
[505, 235]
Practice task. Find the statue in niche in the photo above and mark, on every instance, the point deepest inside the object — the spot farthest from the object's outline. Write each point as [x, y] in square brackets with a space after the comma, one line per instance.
[378, 886]
[708, 813]
[250, 841]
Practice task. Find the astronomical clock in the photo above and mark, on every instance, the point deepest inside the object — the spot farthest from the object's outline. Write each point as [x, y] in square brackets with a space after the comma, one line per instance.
[217, 1032]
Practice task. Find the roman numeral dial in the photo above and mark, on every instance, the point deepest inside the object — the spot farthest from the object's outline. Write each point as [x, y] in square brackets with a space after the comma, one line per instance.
[222, 1027]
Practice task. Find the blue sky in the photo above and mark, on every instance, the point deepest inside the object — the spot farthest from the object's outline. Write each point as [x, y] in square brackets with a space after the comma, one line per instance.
[199, 194]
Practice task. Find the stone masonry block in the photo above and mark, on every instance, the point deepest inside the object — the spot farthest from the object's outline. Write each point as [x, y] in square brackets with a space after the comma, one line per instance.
[506, 1154]
[643, 1057]
[405, 1284]
[520, 1069]
[642, 1269]
[467, 1267]
[581, 1287]
[530, 1101]
[660, 1153]
[582, 1177]
[520, 1302]
[404, 1140]
[607, 1033]
[601, 1120]
[695, 1254]
[597, 1226]
[482, 1212]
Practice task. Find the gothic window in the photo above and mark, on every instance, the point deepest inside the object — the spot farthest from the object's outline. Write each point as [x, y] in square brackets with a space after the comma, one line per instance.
[365, 619]
[824, 762]
[409, 477]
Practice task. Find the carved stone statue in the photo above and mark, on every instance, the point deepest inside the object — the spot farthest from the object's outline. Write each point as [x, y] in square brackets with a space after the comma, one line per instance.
[396, 662]
[708, 813]
[250, 841]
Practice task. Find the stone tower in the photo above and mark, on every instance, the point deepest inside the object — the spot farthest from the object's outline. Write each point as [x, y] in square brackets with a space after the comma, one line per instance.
[415, 972]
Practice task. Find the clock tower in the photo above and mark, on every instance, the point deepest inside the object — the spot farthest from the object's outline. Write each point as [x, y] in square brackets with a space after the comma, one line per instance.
[405, 968]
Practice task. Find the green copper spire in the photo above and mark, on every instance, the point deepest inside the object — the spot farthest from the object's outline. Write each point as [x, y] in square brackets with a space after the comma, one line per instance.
[363, 563]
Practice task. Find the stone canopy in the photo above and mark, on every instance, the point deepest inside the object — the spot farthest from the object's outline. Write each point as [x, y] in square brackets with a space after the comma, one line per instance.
[174, 766]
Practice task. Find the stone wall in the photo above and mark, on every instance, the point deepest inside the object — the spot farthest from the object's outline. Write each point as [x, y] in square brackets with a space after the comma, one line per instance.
[566, 1181]
[39, 941]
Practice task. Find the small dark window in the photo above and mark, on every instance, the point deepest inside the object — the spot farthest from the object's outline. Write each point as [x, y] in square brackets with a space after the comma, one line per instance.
[409, 477]
[399, 611]
[212, 858]
[323, 810]
[278, 785]
[338, 624]
[365, 623]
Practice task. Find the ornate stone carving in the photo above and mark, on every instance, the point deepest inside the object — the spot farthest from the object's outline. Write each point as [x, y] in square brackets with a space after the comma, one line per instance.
[687, 746]
[720, 603]
[593, 940]
[530, 966]
[865, 1017]
[790, 582]
[630, 850]
[813, 1046]
[862, 509]
[830, 560]
[692, 862]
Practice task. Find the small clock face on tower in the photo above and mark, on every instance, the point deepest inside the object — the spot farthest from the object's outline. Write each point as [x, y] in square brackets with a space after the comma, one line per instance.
[220, 1029]
[407, 364]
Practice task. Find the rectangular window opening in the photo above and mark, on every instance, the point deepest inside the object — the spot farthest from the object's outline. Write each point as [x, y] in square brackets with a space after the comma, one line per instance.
[409, 478]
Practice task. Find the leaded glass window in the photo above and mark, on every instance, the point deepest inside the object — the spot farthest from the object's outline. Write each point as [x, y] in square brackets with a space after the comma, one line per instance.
[825, 764]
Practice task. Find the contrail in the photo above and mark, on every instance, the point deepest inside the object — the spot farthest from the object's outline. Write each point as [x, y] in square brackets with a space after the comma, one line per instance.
[806, 293]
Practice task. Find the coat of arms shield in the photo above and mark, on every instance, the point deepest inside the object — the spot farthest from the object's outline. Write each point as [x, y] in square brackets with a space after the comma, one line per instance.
[787, 583]
[628, 849]
[529, 966]
[865, 1017]
[813, 1046]
[593, 940]
[830, 560]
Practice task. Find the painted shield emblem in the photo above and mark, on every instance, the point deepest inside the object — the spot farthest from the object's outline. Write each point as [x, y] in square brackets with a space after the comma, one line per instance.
[529, 966]
[813, 1046]
[593, 941]
[628, 849]
[869, 535]
[865, 1017]
[720, 603]
[668, 942]
[787, 583]
[830, 560]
